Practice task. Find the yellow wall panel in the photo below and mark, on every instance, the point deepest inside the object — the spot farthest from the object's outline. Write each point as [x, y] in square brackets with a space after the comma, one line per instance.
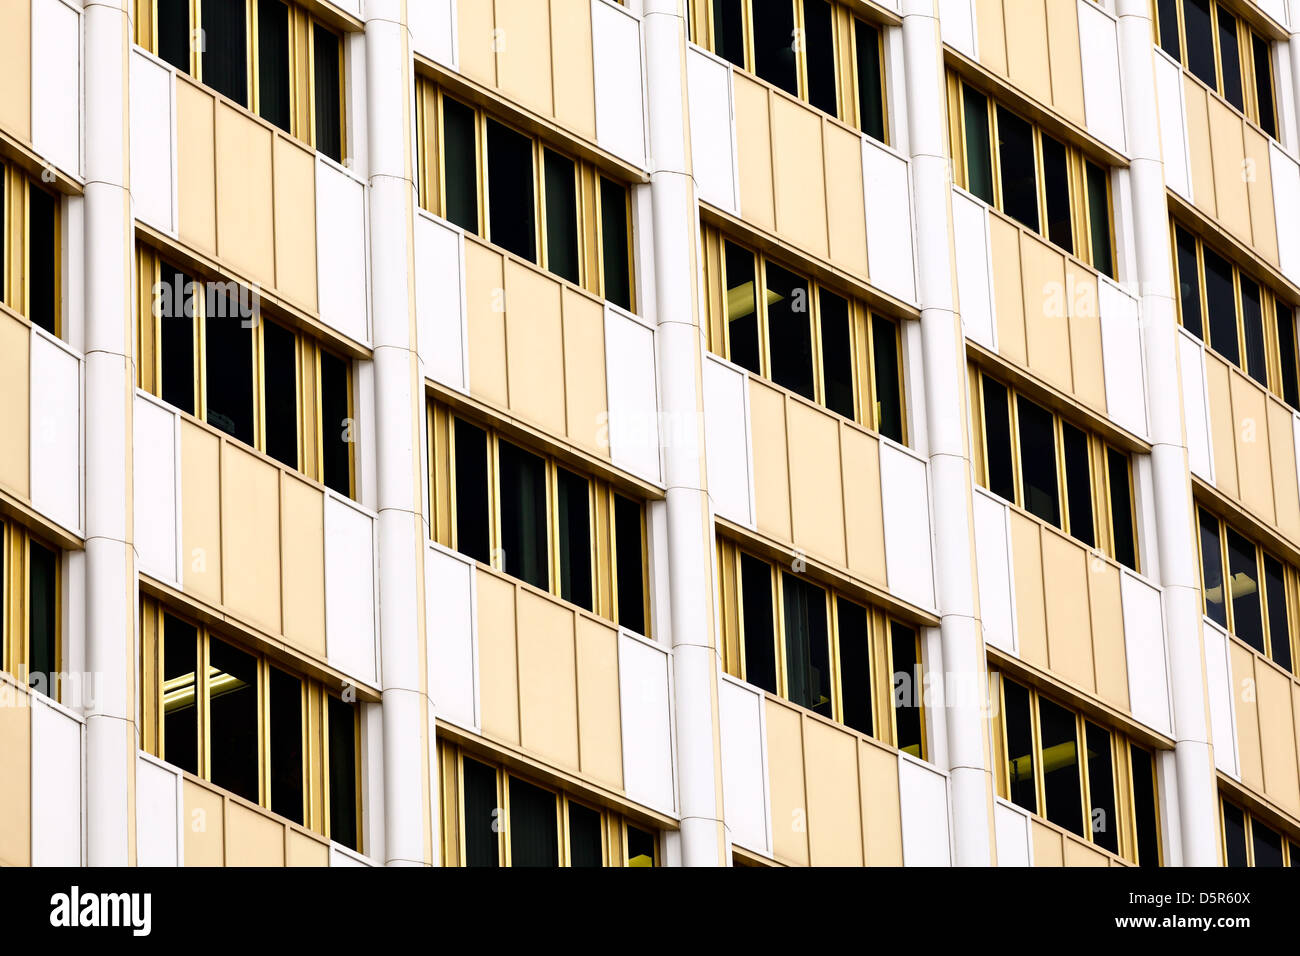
[252, 838]
[200, 513]
[302, 850]
[1031, 621]
[474, 26]
[1277, 736]
[250, 538]
[195, 166]
[16, 69]
[864, 518]
[771, 477]
[1047, 325]
[245, 232]
[574, 74]
[205, 839]
[1245, 696]
[1250, 423]
[846, 220]
[1047, 845]
[16, 781]
[302, 563]
[1081, 854]
[1198, 145]
[485, 303]
[1229, 157]
[497, 661]
[1222, 428]
[534, 347]
[1008, 290]
[1027, 55]
[754, 149]
[991, 35]
[295, 222]
[1281, 443]
[548, 691]
[789, 811]
[585, 398]
[882, 819]
[834, 810]
[797, 166]
[1066, 60]
[523, 44]
[599, 721]
[816, 495]
[1085, 336]
[15, 408]
[1069, 631]
[1110, 658]
[1259, 185]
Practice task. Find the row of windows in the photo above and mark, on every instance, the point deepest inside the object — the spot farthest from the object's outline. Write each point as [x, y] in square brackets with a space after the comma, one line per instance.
[492, 817]
[1070, 478]
[1224, 52]
[29, 249]
[206, 348]
[804, 337]
[1094, 782]
[1237, 317]
[538, 520]
[1258, 606]
[1048, 186]
[30, 648]
[844, 660]
[514, 191]
[236, 719]
[1247, 842]
[268, 56]
[813, 49]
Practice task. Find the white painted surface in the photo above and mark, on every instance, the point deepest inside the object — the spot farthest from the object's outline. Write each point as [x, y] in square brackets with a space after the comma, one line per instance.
[905, 491]
[957, 25]
[1173, 124]
[453, 636]
[159, 813]
[633, 406]
[440, 301]
[1121, 354]
[1286, 202]
[744, 765]
[1275, 9]
[1099, 48]
[1015, 842]
[55, 430]
[56, 82]
[993, 565]
[923, 797]
[153, 137]
[56, 785]
[713, 132]
[1196, 405]
[888, 191]
[616, 52]
[645, 707]
[1144, 642]
[157, 489]
[1223, 717]
[350, 633]
[341, 251]
[342, 856]
[970, 223]
[726, 439]
[433, 29]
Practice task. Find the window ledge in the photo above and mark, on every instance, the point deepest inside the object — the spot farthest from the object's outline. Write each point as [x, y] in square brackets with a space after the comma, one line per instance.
[1236, 513]
[1240, 255]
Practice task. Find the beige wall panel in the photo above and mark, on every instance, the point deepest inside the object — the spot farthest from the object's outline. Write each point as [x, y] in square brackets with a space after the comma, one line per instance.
[1277, 736]
[195, 166]
[1031, 621]
[1250, 422]
[302, 563]
[16, 69]
[1085, 336]
[991, 35]
[1222, 429]
[754, 148]
[1027, 54]
[834, 810]
[524, 53]
[1047, 325]
[1008, 290]
[1198, 145]
[485, 302]
[16, 782]
[204, 824]
[575, 72]
[846, 219]
[252, 838]
[1081, 854]
[1047, 845]
[1245, 697]
[864, 518]
[1066, 60]
[882, 819]
[599, 725]
[15, 409]
[250, 539]
[474, 24]
[771, 463]
[585, 397]
[1229, 155]
[816, 494]
[1259, 185]
[497, 660]
[302, 850]
[200, 513]
[534, 347]
[1281, 443]
[548, 690]
[1069, 629]
[1110, 659]
[245, 230]
[789, 813]
[295, 222]
[796, 166]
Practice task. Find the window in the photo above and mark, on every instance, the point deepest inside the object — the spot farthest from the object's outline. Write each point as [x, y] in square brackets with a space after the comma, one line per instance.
[1049, 187]
[206, 349]
[1085, 778]
[239, 720]
[269, 56]
[1222, 51]
[537, 519]
[804, 336]
[1070, 478]
[824, 651]
[31, 625]
[1256, 605]
[1248, 841]
[30, 246]
[532, 200]
[492, 817]
[816, 50]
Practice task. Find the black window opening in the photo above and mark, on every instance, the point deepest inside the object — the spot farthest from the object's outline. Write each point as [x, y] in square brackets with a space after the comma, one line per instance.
[42, 259]
[789, 323]
[640, 847]
[1189, 282]
[1252, 327]
[176, 330]
[907, 689]
[1266, 844]
[837, 353]
[561, 215]
[172, 26]
[1260, 51]
[979, 156]
[1121, 508]
[1103, 256]
[228, 340]
[1200, 41]
[1038, 461]
[574, 521]
[326, 47]
[1078, 483]
[180, 694]
[510, 191]
[1145, 813]
[471, 489]
[1056, 182]
[1103, 824]
[1019, 724]
[629, 555]
[532, 828]
[998, 455]
[729, 31]
[1234, 835]
[819, 54]
[855, 665]
[807, 645]
[42, 618]
[1243, 588]
[280, 393]
[1212, 570]
[523, 515]
[1061, 780]
[343, 773]
[286, 750]
[871, 86]
[1167, 17]
[586, 848]
[274, 80]
[224, 51]
[616, 243]
[758, 632]
[233, 717]
[479, 786]
[1019, 175]
[889, 379]
[1279, 624]
[742, 308]
[336, 424]
[1286, 345]
[1230, 55]
[460, 164]
[774, 57]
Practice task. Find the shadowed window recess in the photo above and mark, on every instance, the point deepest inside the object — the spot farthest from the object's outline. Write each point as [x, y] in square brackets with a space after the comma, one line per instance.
[31, 603]
[1249, 841]
[31, 249]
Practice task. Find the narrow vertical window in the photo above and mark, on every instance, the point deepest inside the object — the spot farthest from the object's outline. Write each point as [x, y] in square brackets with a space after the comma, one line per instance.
[855, 665]
[1019, 177]
[1243, 575]
[1221, 303]
[630, 557]
[998, 459]
[819, 54]
[42, 618]
[729, 31]
[172, 25]
[1038, 461]
[1234, 835]
[615, 243]
[1200, 41]
[1103, 822]
[532, 830]
[1146, 816]
[1262, 55]
[837, 353]
[1279, 624]
[574, 522]
[640, 847]
[1078, 483]
[871, 87]
[1267, 845]
[286, 745]
[1286, 346]
[180, 694]
[1103, 257]
[336, 424]
[1019, 724]
[1167, 15]
[1212, 570]
[758, 633]
[1230, 55]
[224, 50]
[280, 393]
[906, 688]
[273, 81]
[42, 259]
[807, 647]
[510, 191]
[585, 847]
[329, 92]
[979, 156]
[1056, 184]
[459, 165]
[343, 773]
[229, 346]
[1252, 327]
[789, 326]
[176, 330]
[1121, 508]
[1061, 781]
[561, 216]
[888, 381]
[472, 492]
[523, 515]
[482, 815]
[1189, 282]
[233, 719]
[742, 308]
[773, 31]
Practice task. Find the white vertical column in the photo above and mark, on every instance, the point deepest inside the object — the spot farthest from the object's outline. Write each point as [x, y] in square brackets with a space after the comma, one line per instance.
[944, 361]
[111, 729]
[399, 399]
[696, 664]
[1176, 548]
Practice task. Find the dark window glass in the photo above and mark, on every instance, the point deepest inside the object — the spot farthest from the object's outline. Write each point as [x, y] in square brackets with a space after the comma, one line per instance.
[225, 53]
[1230, 56]
[176, 327]
[1243, 573]
[889, 382]
[789, 326]
[807, 647]
[574, 520]
[329, 84]
[837, 353]
[1078, 483]
[280, 363]
[180, 713]
[1252, 322]
[1267, 844]
[1279, 625]
[472, 492]
[1020, 745]
[482, 815]
[1121, 508]
[3, 207]
[979, 156]
[1060, 766]
[1264, 84]
[631, 560]
[640, 847]
[1189, 283]
[997, 439]
[523, 515]
[459, 165]
[336, 423]
[773, 30]
[510, 191]
[1167, 12]
[1038, 461]
[742, 315]
[1234, 835]
[585, 847]
[229, 341]
[757, 631]
[729, 31]
[906, 687]
[343, 773]
[43, 618]
[1056, 183]
[1145, 814]
[1099, 219]
[1287, 352]
[1019, 179]
[286, 745]
[561, 216]
[615, 243]
[42, 259]
[1200, 40]
[1212, 570]
[172, 25]
[233, 707]
[819, 52]
[532, 832]
[1104, 824]
[871, 87]
[273, 81]
[855, 665]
